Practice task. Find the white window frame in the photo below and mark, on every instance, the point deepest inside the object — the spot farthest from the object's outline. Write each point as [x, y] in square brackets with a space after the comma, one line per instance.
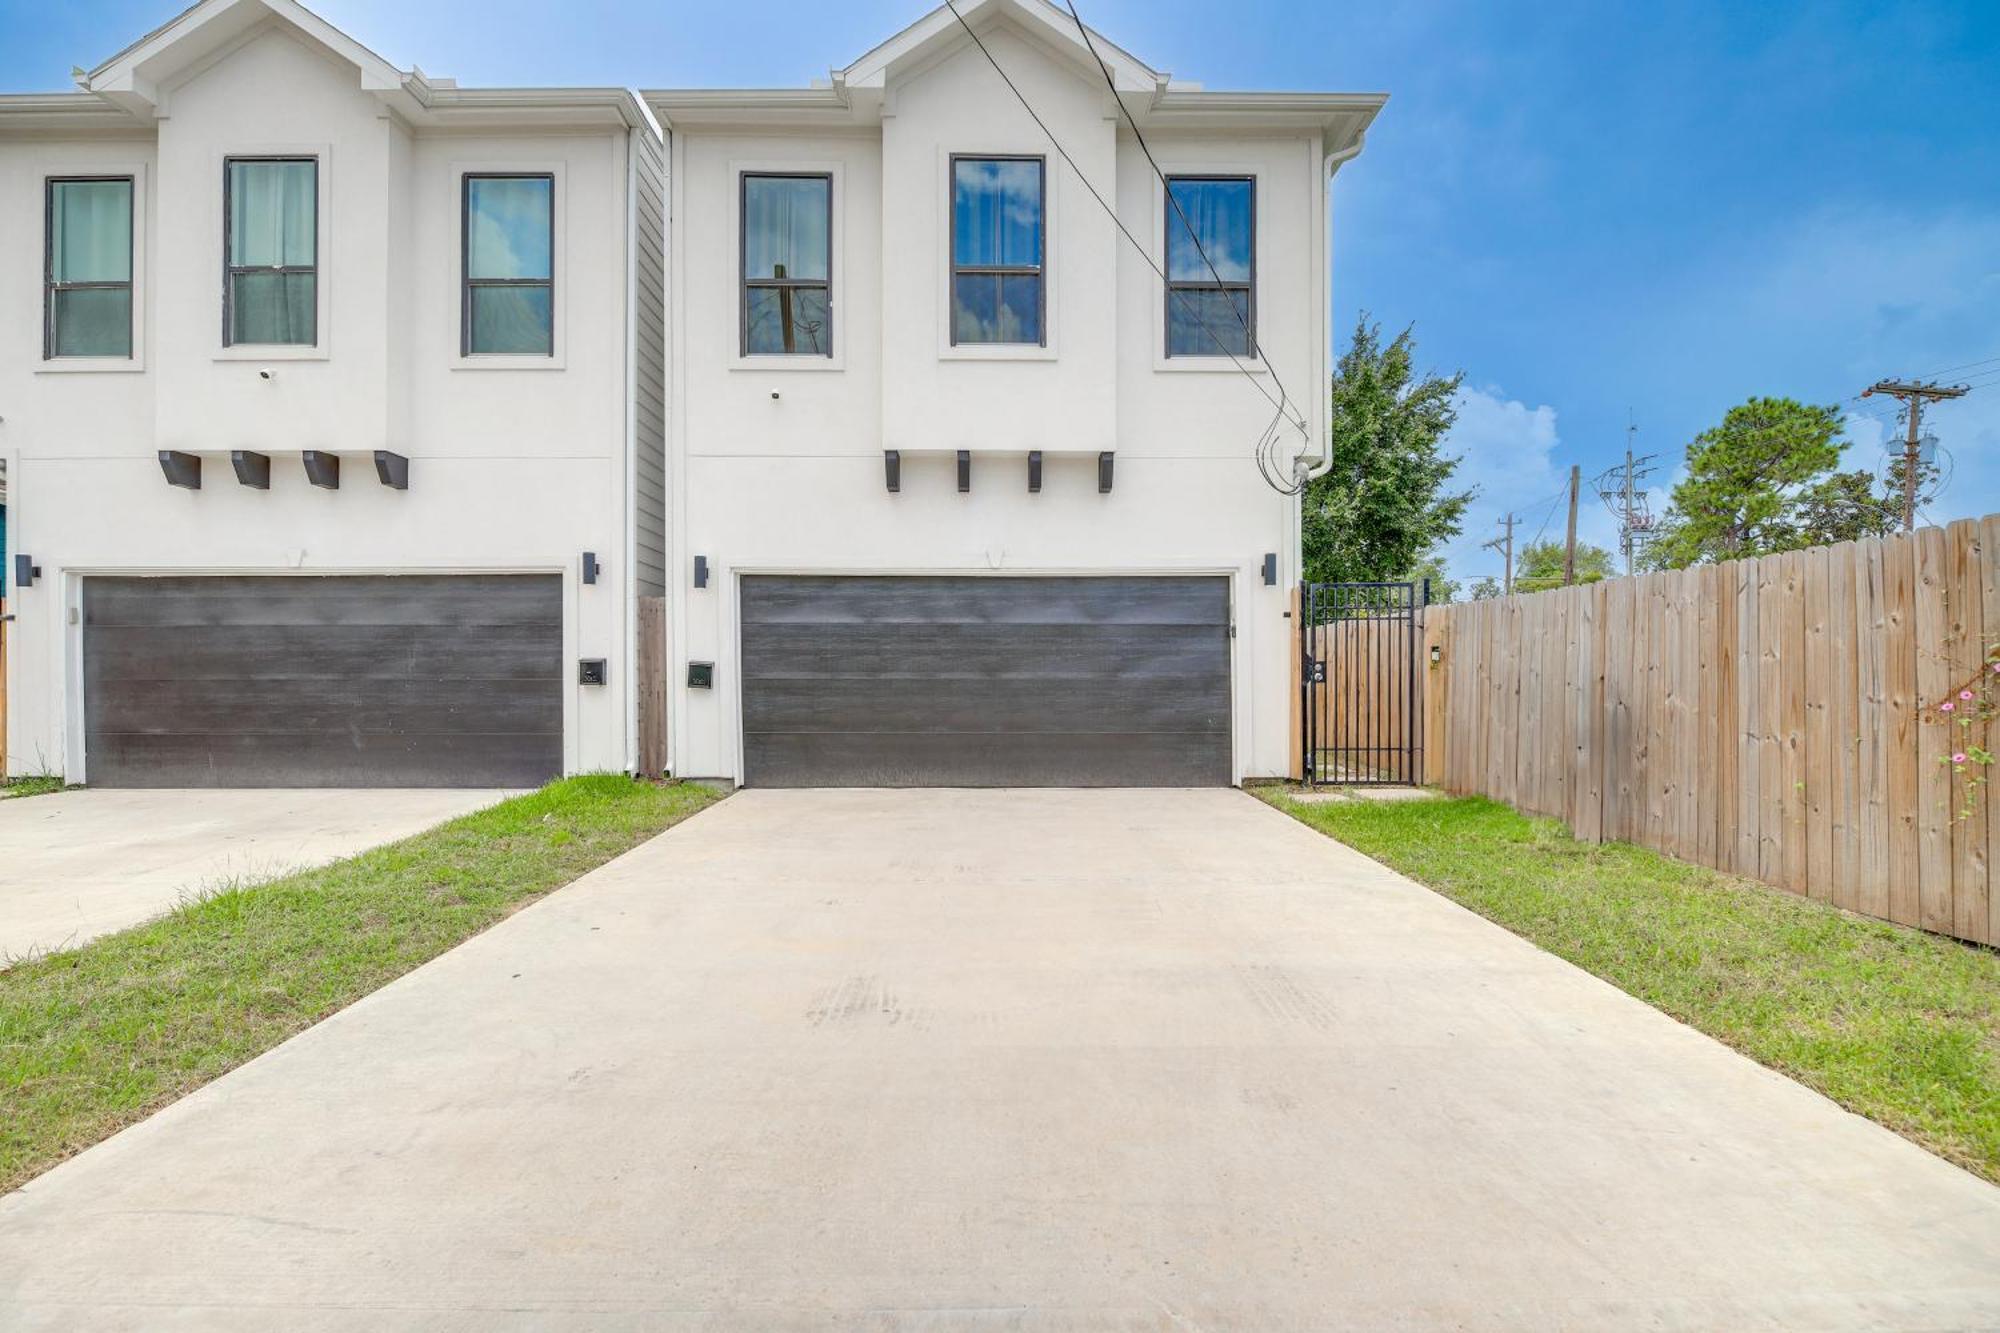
[835, 170]
[453, 208]
[322, 348]
[69, 168]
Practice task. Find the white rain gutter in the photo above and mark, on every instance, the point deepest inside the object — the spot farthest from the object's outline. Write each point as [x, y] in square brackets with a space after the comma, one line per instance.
[1318, 467]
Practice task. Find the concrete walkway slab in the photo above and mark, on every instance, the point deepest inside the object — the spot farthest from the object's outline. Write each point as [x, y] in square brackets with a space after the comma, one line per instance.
[76, 864]
[1021, 1060]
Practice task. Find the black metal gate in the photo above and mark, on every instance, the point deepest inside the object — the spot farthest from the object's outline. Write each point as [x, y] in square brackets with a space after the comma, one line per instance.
[1363, 705]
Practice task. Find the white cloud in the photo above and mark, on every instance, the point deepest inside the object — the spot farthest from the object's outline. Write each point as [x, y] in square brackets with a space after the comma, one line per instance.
[1508, 451]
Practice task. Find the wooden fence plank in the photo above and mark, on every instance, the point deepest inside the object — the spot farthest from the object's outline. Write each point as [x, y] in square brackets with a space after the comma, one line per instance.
[1871, 657]
[1989, 545]
[1749, 727]
[1818, 771]
[1722, 723]
[1899, 702]
[1770, 722]
[1933, 639]
[1842, 705]
[1969, 887]
[1792, 739]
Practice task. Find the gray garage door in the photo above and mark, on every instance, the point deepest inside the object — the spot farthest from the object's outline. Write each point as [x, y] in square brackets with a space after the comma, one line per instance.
[421, 681]
[985, 682]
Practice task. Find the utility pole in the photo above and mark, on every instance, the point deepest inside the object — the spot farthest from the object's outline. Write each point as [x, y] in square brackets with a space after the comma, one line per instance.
[1913, 396]
[1620, 490]
[1569, 545]
[1506, 544]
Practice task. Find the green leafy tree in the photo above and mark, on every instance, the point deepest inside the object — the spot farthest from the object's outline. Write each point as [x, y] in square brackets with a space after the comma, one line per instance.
[1541, 566]
[1443, 587]
[1485, 588]
[1384, 505]
[1767, 480]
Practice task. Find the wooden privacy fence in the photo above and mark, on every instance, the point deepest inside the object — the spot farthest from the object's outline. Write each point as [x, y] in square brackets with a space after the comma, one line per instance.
[1776, 718]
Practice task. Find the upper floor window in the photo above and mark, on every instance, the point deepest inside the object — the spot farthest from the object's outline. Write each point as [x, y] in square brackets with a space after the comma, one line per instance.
[270, 293]
[787, 265]
[509, 297]
[87, 296]
[1211, 265]
[997, 227]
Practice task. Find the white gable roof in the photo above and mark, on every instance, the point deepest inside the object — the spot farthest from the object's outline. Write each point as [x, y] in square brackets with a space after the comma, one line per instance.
[941, 30]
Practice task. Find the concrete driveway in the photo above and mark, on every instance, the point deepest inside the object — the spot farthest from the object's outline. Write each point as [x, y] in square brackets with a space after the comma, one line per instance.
[76, 864]
[946, 1059]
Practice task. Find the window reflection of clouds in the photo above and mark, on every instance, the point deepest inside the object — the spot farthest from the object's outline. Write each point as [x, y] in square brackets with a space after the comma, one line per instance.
[999, 212]
[785, 226]
[509, 235]
[1219, 213]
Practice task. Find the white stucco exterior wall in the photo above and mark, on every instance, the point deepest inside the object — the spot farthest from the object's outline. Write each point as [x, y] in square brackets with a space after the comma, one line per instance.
[515, 467]
[777, 466]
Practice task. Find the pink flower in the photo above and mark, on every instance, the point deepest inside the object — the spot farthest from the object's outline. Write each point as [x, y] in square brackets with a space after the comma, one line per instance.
[1996, 668]
[1947, 706]
[1965, 694]
[1958, 758]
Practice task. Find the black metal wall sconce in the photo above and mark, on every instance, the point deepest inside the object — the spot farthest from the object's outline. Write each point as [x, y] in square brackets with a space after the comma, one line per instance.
[701, 571]
[892, 469]
[1104, 472]
[392, 470]
[964, 471]
[322, 468]
[26, 571]
[1034, 471]
[590, 566]
[252, 468]
[1270, 569]
[182, 470]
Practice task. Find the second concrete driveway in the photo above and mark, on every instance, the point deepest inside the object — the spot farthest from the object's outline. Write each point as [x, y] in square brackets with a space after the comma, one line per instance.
[1076, 1060]
[76, 864]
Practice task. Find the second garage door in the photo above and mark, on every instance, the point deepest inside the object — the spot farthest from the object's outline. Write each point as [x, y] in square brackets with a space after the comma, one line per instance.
[985, 682]
[415, 681]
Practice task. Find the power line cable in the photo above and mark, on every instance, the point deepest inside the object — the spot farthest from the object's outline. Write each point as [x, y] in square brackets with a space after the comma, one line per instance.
[1280, 404]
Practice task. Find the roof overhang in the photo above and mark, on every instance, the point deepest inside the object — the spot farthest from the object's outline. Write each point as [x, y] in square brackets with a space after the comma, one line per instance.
[853, 97]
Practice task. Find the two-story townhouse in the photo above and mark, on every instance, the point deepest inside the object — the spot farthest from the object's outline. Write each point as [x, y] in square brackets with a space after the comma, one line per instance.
[995, 363]
[331, 407]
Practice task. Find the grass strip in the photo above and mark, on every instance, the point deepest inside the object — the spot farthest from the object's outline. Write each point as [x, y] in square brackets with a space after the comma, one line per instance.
[1892, 1023]
[97, 1037]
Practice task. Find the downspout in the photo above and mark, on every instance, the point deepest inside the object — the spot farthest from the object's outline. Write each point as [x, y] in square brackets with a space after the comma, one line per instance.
[628, 574]
[1318, 467]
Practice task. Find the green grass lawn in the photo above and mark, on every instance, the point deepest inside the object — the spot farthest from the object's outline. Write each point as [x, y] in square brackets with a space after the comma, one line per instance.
[1897, 1025]
[99, 1036]
[40, 786]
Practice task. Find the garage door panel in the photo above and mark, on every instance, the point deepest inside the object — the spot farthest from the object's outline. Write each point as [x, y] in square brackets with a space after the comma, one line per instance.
[987, 705]
[323, 681]
[329, 706]
[1015, 760]
[1000, 681]
[1009, 601]
[292, 760]
[979, 651]
[333, 652]
[409, 599]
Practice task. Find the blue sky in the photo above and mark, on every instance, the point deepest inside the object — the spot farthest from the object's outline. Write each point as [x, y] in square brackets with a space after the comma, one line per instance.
[1588, 207]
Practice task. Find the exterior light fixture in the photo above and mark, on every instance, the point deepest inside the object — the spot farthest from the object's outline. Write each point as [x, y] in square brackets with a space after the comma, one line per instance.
[1104, 472]
[1034, 471]
[322, 469]
[252, 469]
[26, 571]
[892, 469]
[964, 471]
[701, 571]
[392, 470]
[1270, 569]
[183, 470]
[590, 566]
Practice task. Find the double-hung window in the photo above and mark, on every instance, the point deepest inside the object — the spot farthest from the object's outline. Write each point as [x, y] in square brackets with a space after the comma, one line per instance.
[509, 265]
[787, 306]
[87, 269]
[997, 249]
[270, 292]
[1211, 266]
